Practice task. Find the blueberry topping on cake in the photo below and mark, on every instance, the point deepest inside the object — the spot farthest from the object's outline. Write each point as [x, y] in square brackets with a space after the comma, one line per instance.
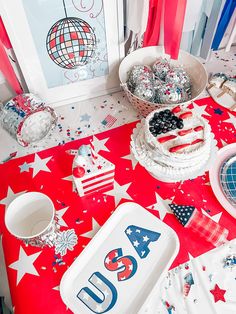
[163, 122]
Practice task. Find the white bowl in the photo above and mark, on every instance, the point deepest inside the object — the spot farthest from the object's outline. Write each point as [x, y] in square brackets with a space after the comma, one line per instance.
[147, 56]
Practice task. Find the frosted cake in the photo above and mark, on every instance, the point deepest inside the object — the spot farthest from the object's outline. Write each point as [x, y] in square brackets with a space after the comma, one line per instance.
[174, 143]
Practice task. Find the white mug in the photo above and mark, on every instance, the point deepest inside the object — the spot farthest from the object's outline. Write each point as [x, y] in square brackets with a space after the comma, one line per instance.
[31, 217]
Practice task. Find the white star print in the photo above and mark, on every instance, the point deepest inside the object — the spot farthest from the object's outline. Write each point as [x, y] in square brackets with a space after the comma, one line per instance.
[132, 159]
[57, 288]
[215, 218]
[199, 110]
[119, 192]
[95, 227]
[10, 196]
[40, 164]
[145, 238]
[232, 119]
[60, 213]
[162, 206]
[24, 265]
[136, 243]
[129, 231]
[131, 267]
[107, 260]
[100, 144]
[120, 264]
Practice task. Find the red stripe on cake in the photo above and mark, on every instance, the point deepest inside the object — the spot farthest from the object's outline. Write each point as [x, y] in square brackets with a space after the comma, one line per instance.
[166, 138]
[197, 141]
[198, 128]
[97, 176]
[184, 132]
[186, 115]
[176, 109]
[97, 182]
[107, 186]
[178, 147]
[175, 149]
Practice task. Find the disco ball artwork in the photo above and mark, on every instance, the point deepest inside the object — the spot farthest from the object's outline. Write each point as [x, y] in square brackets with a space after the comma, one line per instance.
[71, 42]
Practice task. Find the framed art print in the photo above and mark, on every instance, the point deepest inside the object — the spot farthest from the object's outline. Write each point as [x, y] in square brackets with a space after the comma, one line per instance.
[68, 50]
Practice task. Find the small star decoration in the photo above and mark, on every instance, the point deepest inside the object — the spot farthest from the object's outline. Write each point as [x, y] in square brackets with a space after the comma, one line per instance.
[218, 294]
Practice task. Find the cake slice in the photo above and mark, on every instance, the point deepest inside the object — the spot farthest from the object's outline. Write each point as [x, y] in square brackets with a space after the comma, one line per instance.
[92, 175]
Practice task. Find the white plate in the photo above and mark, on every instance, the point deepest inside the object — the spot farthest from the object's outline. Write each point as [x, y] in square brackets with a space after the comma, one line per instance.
[223, 154]
[156, 170]
[120, 296]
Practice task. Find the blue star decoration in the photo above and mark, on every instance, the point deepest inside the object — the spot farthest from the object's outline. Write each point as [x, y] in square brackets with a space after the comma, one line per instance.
[218, 111]
[85, 117]
[24, 167]
[182, 212]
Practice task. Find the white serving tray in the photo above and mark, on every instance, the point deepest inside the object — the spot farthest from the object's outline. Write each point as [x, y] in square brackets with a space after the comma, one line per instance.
[124, 296]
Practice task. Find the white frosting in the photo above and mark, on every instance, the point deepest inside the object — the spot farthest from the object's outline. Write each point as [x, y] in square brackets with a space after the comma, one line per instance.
[190, 158]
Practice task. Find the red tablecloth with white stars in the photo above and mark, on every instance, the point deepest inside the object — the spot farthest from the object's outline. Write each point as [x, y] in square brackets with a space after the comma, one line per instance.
[34, 274]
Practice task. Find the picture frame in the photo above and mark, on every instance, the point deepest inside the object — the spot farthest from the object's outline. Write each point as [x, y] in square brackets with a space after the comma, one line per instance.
[68, 50]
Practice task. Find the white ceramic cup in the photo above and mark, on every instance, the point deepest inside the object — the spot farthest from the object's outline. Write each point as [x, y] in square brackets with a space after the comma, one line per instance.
[30, 215]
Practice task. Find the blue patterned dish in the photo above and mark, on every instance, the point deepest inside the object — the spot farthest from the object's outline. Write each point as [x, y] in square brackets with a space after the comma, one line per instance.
[228, 179]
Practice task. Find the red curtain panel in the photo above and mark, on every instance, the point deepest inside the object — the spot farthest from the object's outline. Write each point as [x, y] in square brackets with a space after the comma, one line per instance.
[5, 65]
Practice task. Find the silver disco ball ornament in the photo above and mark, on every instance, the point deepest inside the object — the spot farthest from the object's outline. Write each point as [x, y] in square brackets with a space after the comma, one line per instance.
[71, 42]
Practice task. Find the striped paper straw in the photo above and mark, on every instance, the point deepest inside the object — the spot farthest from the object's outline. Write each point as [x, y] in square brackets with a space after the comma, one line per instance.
[93, 153]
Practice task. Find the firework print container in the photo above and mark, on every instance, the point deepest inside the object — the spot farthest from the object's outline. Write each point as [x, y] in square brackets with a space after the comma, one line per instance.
[27, 119]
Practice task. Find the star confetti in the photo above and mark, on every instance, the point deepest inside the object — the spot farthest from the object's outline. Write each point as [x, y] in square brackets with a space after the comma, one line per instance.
[85, 117]
[218, 294]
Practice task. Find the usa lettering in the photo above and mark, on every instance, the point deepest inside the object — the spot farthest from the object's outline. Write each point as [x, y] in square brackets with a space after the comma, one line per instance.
[104, 294]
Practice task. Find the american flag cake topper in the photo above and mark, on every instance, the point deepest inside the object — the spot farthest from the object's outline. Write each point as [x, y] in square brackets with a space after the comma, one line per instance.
[190, 217]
